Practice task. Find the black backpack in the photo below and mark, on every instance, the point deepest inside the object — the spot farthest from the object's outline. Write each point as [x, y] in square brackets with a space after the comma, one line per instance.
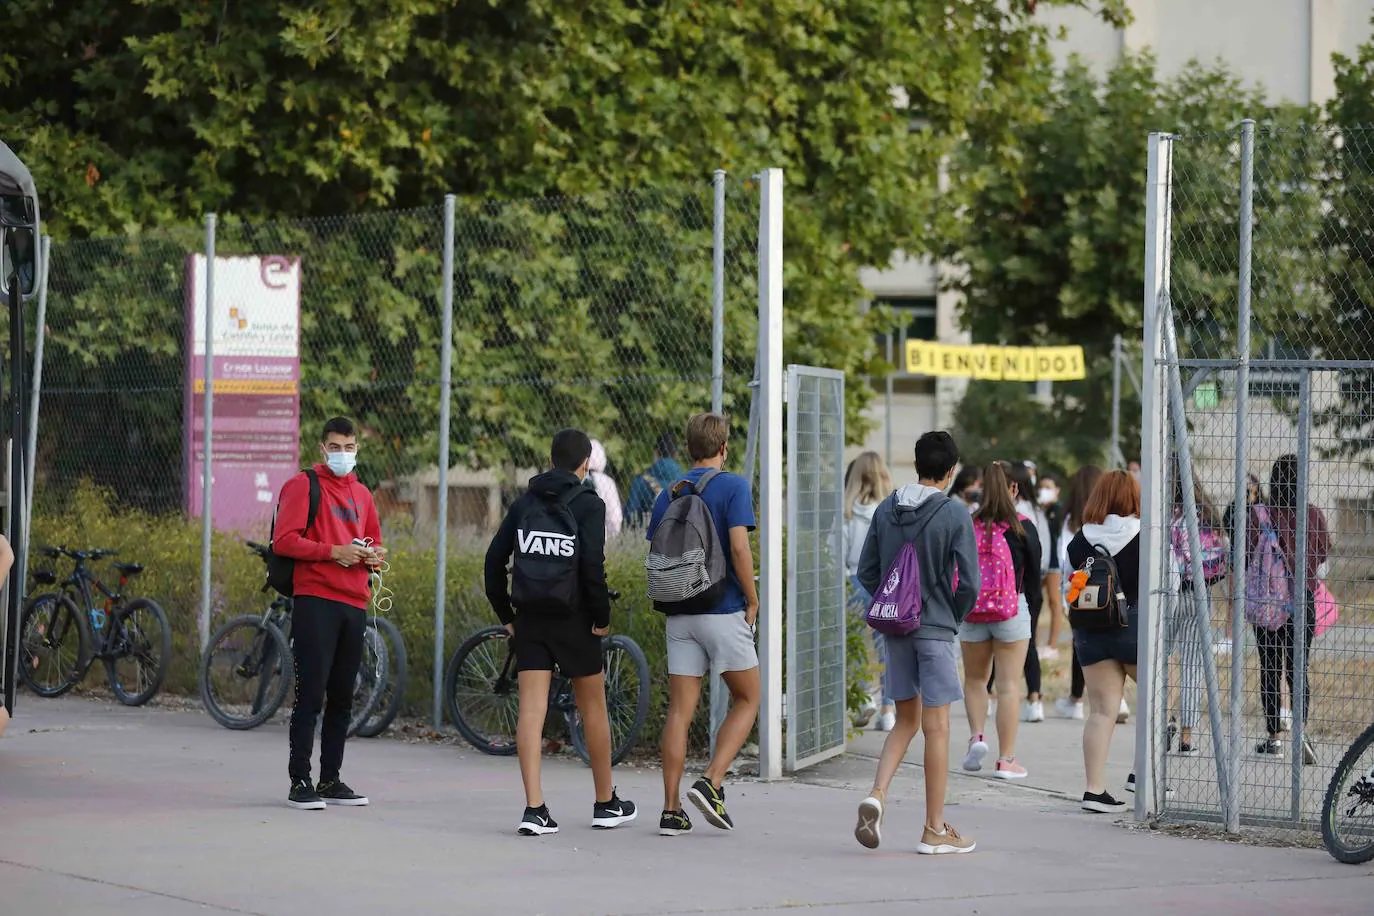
[544, 575]
[281, 571]
[1100, 605]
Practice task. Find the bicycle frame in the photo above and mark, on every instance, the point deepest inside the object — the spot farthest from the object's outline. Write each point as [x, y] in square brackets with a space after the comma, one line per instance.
[80, 581]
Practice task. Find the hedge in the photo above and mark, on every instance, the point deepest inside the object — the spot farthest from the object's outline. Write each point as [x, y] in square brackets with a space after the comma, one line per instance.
[169, 547]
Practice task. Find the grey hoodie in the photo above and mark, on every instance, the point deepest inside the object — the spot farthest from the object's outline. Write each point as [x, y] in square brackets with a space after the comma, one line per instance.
[944, 540]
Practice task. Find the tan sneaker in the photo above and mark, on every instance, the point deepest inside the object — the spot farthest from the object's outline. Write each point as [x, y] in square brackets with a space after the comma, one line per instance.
[869, 831]
[944, 842]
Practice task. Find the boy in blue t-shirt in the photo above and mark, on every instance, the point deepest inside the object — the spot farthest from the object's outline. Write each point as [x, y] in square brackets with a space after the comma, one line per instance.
[723, 635]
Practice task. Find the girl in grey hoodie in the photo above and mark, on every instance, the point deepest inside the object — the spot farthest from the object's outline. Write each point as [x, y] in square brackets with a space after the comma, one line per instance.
[867, 484]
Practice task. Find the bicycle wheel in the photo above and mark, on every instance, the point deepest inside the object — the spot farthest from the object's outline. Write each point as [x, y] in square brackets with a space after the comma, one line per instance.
[370, 680]
[245, 673]
[54, 644]
[1348, 810]
[393, 691]
[140, 653]
[482, 692]
[627, 698]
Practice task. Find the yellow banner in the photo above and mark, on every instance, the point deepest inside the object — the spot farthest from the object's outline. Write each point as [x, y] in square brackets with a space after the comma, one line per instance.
[248, 386]
[1008, 364]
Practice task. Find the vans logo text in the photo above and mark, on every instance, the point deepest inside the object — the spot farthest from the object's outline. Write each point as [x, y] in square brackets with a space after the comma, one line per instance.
[547, 543]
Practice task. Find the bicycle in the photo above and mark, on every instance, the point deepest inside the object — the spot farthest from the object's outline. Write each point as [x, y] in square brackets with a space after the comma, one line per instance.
[1352, 844]
[483, 698]
[130, 635]
[247, 667]
[393, 689]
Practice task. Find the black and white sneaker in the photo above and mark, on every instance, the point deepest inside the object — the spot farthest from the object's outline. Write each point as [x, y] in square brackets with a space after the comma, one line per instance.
[337, 792]
[613, 813]
[303, 796]
[1102, 803]
[537, 822]
[1130, 783]
[674, 823]
[711, 802]
[1270, 747]
[1187, 749]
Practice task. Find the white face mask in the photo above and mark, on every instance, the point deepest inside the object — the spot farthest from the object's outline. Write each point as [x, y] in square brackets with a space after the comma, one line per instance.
[1047, 496]
[341, 463]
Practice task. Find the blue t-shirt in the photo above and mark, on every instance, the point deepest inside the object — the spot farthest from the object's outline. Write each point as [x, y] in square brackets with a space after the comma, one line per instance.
[732, 506]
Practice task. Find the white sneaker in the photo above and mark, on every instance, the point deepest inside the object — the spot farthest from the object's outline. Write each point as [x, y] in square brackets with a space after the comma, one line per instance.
[1222, 646]
[886, 721]
[869, 830]
[1286, 719]
[1068, 708]
[1048, 653]
[1123, 713]
[977, 750]
[1033, 712]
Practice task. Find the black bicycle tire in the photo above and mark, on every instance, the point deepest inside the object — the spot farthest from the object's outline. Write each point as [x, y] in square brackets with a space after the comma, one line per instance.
[83, 647]
[1338, 850]
[631, 737]
[287, 675]
[358, 716]
[451, 682]
[397, 670]
[164, 661]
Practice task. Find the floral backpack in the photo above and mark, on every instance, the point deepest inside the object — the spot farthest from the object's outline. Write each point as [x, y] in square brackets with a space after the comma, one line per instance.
[1216, 556]
[998, 591]
[1268, 592]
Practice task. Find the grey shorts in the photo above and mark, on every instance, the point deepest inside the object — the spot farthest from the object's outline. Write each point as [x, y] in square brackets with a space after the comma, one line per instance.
[928, 668]
[1013, 630]
[698, 642]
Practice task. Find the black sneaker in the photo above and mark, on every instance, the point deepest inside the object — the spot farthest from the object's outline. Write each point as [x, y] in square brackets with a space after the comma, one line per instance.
[337, 792]
[1102, 803]
[537, 822]
[1130, 780]
[674, 823]
[303, 796]
[613, 813]
[1270, 747]
[711, 802]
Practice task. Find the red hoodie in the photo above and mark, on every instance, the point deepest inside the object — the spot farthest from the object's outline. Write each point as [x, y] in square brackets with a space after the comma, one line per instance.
[346, 512]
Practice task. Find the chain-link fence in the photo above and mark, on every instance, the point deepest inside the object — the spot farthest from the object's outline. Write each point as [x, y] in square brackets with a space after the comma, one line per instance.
[599, 312]
[1264, 333]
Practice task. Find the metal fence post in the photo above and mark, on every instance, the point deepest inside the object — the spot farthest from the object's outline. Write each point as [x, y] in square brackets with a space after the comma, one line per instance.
[445, 402]
[1242, 515]
[770, 528]
[1201, 601]
[1157, 240]
[207, 481]
[1300, 584]
[1117, 458]
[718, 299]
[31, 447]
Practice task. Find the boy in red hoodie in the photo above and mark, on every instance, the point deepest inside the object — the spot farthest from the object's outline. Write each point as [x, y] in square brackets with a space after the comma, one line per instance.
[329, 618]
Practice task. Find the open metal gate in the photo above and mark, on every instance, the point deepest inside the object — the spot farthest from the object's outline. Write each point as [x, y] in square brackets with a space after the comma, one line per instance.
[815, 662]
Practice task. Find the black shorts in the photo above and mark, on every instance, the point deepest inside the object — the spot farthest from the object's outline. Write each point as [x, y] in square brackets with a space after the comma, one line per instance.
[1108, 645]
[566, 642]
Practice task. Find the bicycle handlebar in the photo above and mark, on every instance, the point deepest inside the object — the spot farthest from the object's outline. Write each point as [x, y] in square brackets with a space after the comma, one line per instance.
[261, 550]
[94, 553]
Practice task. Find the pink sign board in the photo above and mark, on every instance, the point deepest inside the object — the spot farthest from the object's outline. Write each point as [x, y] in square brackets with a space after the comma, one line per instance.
[255, 446]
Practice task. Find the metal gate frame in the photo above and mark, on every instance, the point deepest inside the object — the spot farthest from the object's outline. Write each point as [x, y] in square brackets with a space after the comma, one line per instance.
[814, 710]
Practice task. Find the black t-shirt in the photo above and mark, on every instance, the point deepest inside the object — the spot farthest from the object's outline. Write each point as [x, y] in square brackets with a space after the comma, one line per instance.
[1127, 563]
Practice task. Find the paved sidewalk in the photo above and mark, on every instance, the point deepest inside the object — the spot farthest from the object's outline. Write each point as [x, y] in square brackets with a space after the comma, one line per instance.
[105, 810]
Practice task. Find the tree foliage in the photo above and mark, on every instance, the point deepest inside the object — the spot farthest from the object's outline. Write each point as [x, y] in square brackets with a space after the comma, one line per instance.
[145, 115]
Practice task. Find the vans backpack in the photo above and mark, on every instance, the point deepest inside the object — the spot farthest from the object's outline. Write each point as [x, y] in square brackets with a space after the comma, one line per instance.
[998, 593]
[686, 565]
[281, 571]
[544, 577]
[1096, 601]
[1268, 593]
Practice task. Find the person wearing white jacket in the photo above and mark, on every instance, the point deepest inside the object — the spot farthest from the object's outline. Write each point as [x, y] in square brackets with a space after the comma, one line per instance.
[867, 484]
[605, 488]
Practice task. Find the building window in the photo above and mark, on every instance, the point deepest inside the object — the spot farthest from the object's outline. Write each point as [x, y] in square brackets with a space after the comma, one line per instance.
[1278, 384]
[915, 320]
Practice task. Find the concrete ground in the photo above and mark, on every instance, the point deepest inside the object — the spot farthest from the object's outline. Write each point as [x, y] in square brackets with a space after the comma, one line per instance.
[105, 810]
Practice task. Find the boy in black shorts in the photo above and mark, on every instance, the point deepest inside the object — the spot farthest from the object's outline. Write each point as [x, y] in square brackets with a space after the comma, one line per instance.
[557, 608]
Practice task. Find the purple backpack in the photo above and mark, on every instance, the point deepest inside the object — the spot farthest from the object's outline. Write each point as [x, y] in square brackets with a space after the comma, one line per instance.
[896, 606]
[1267, 589]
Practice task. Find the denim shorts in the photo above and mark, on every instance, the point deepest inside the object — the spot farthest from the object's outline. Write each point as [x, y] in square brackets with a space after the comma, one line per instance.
[1095, 646]
[1013, 630]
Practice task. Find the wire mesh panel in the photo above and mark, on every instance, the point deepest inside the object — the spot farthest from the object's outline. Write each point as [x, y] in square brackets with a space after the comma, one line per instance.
[1263, 662]
[815, 663]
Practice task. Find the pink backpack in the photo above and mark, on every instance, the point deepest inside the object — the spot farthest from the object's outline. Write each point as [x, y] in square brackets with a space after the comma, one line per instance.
[998, 592]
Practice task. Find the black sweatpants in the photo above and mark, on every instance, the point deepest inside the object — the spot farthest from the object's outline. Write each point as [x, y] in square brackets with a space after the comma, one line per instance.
[327, 647]
[1276, 666]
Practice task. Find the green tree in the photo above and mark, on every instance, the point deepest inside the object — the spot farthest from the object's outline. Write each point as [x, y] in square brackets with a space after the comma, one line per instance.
[1052, 250]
